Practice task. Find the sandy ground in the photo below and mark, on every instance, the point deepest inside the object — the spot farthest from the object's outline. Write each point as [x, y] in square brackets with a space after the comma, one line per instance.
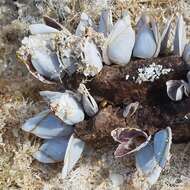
[19, 100]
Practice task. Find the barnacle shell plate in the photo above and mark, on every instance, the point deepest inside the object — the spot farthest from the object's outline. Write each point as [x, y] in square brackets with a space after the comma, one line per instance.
[45, 125]
[52, 151]
[73, 154]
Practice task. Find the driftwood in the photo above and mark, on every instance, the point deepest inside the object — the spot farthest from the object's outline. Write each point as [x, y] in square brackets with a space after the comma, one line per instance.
[156, 110]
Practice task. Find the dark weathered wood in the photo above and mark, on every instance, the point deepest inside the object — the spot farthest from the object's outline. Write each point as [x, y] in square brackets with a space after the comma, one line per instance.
[156, 110]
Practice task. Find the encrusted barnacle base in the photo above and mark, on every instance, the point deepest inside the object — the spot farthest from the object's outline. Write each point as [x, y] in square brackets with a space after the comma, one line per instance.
[113, 90]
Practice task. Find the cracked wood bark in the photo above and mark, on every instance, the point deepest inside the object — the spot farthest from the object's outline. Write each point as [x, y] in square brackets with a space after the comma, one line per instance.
[156, 110]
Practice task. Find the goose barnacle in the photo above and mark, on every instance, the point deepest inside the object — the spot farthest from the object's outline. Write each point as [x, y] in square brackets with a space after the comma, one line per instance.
[149, 42]
[89, 104]
[130, 109]
[186, 54]
[177, 88]
[151, 159]
[120, 42]
[85, 21]
[128, 139]
[91, 58]
[180, 36]
[65, 106]
[39, 55]
[73, 153]
[105, 23]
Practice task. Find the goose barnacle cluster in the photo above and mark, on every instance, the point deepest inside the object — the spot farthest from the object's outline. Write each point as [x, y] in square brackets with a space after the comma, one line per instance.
[51, 52]
[56, 126]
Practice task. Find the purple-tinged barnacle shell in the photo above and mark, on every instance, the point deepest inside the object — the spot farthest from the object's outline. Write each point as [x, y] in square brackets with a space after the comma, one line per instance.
[130, 109]
[105, 22]
[130, 139]
[52, 150]
[120, 42]
[45, 125]
[73, 153]
[162, 144]
[65, 106]
[180, 37]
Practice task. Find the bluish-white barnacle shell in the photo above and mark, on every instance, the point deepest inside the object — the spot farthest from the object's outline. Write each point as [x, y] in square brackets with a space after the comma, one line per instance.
[119, 44]
[105, 22]
[130, 109]
[46, 64]
[180, 36]
[73, 154]
[175, 89]
[186, 54]
[85, 21]
[145, 44]
[147, 165]
[165, 35]
[92, 59]
[52, 150]
[65, 106]
[89, 104]
[40, 58]
[162, 144]
[41, 29]
[45, 125]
